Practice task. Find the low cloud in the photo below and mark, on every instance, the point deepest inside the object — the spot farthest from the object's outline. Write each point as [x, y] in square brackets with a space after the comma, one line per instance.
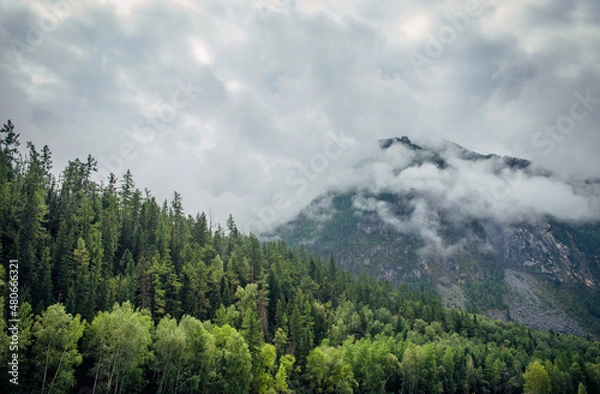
[464, 186]
[271, 78]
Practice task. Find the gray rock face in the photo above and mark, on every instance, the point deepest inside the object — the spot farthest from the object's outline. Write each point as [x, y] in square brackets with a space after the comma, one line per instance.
[406, 234]
[530, 304]
[533, 247]
[524, 255]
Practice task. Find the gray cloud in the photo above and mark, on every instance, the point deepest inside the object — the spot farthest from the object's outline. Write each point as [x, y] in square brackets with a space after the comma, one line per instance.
[273, 77]
[463, 186]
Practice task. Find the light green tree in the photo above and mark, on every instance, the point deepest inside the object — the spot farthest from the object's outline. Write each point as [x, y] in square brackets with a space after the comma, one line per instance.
[372, 362]
[328, 371]
[55, 352]
[265, 368]
[171, 355]
[411, 367]
[202, 356]
[119, 343]
[279, 385]
[233, 361]
[536, 379]
[185, 356]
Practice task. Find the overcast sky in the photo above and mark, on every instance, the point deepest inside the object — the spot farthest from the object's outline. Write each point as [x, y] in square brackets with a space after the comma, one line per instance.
[254, 108]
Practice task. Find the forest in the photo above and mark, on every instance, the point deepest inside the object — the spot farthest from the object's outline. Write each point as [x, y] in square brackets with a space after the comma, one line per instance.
[121, 293]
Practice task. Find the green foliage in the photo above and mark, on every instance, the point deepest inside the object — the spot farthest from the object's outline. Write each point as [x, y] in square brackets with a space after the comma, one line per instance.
[373, 363]
[119, 344]
[199, 309]
[486, 294]
[55, 352]
[184, 355]
[328, 372]
[536, 379]
[233, 361]
[419, 368]
[172, 355]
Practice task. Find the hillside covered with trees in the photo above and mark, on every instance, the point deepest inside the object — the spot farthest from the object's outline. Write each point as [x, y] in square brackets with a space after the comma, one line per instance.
[122, 293]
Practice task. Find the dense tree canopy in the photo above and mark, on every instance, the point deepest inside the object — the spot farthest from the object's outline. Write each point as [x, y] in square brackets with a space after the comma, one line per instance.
[120, 293]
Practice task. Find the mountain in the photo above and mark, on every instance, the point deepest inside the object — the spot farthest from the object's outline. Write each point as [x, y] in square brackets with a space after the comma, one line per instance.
[489, 233]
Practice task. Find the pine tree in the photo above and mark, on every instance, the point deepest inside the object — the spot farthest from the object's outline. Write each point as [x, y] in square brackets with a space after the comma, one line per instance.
[83, 279]
[111, 225]
[31, 234]
[200, 233]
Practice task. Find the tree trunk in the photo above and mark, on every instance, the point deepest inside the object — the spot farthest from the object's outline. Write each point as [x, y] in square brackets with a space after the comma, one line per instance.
[45, 369]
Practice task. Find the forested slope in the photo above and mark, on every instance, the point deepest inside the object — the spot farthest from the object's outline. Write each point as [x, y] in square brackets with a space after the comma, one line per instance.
[419, 217]
[121, 293]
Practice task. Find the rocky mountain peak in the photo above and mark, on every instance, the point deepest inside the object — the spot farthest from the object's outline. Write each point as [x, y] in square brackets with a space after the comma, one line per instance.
[443, 227]
[385, 143]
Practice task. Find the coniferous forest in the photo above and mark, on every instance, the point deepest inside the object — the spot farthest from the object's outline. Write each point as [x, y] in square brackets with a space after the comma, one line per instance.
[121, 293]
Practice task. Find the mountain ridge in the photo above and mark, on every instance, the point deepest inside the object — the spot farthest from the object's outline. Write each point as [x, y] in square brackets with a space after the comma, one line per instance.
[399, 232]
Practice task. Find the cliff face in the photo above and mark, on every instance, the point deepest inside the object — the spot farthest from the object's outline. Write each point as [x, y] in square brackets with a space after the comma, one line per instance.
[547, 248]
[471, 259]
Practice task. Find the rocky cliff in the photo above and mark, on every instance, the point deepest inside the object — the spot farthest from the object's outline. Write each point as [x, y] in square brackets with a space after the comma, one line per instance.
[423, 216]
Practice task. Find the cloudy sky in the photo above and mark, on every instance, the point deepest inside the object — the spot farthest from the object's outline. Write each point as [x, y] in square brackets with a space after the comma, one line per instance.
[255, 107]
